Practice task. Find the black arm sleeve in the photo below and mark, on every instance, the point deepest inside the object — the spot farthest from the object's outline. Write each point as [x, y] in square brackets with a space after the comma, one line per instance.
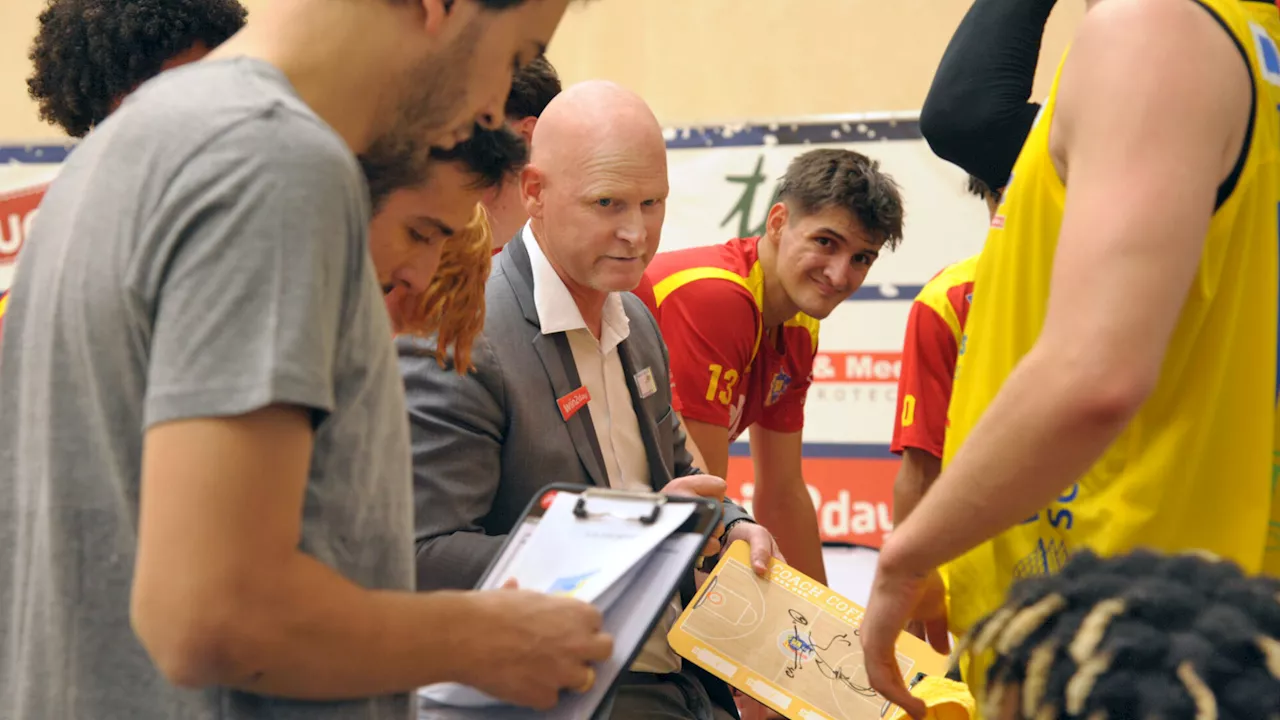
[977, 114]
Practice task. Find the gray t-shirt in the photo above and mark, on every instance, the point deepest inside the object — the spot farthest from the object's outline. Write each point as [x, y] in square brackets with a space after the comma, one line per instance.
[202, 254]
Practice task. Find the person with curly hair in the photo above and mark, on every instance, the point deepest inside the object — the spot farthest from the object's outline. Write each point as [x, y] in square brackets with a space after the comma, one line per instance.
[89, 54]
[426, 240]
[1140, 635]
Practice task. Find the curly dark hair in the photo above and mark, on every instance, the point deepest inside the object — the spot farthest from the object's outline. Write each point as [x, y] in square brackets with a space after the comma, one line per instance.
[825, 178]
[1141, 635]
[490, 157]
[88, 54]
[533, 87]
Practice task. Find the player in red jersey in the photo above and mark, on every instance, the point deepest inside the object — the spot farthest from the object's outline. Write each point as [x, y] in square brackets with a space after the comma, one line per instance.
[929, 353]
[741, 322]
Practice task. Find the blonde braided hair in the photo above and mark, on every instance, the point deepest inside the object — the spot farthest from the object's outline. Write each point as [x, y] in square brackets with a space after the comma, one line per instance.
[1140, 636]
[453, 305]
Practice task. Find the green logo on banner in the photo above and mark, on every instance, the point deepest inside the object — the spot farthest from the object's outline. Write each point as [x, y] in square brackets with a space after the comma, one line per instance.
[745, 206]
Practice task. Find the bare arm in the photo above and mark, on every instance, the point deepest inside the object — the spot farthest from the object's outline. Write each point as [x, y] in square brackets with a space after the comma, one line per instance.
[915, 475]
[223, 596]
[782, 503]
[712, 443]
[695, 454]
[1144, 151]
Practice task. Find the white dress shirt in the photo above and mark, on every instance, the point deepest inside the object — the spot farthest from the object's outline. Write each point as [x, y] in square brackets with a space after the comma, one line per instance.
[626, 464]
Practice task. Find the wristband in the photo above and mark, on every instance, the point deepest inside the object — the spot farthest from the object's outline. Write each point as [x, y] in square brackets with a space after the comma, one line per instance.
[729, 527]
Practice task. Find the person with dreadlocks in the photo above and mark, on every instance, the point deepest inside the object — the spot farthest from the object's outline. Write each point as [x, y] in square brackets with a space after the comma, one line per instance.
[1116, 383]
[1140, 635]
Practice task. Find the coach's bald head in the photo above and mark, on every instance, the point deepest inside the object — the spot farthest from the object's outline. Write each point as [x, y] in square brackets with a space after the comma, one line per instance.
[596, 186]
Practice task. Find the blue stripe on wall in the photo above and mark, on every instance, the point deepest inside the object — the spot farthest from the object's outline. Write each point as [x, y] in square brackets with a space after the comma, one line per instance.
[832, 451]
[798, 133]
[699, 136]
[873, 292]
[34, 154]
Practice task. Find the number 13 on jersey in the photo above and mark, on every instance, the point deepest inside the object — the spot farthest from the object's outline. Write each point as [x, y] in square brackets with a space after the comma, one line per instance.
[721, 385]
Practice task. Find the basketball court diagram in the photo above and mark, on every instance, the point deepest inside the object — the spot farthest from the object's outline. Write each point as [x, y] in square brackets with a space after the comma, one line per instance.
[788, 640]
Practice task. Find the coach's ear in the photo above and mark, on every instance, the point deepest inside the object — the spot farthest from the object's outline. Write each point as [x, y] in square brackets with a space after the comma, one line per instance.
[779, 215]
[532, 185]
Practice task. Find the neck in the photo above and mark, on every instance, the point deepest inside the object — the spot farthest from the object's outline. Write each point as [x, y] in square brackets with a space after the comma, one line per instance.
[346, 89]
[777, 305]
[590, 301]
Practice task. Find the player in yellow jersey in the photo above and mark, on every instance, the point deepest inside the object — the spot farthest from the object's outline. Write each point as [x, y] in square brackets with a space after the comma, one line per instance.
[1116, 385]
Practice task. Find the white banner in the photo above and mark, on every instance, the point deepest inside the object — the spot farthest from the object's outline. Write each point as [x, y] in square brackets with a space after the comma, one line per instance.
[722, 182]
[720, 191]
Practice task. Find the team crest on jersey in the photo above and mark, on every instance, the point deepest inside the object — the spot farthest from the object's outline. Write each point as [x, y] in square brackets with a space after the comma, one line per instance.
[778, 386]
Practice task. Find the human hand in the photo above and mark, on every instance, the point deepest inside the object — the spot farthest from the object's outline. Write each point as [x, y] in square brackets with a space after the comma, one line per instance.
[896, 598]
[533, 646]
[702, 486]
[763, 546]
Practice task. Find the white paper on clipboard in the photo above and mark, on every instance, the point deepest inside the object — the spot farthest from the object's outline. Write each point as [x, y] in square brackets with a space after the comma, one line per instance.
[608, 558]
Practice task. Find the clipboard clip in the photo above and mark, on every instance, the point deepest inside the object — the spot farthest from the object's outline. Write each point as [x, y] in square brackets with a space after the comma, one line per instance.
[580, 508]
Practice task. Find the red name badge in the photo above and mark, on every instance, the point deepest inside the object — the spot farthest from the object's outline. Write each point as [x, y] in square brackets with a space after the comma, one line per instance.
[573, 402]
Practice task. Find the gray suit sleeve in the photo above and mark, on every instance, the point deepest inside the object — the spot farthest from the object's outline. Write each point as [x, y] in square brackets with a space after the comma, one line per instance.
[456, 424]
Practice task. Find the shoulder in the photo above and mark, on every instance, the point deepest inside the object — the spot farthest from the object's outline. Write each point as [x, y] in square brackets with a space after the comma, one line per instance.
[726, 261]
[420, 368]
[804, 333]
[936, 293]
[235, 115]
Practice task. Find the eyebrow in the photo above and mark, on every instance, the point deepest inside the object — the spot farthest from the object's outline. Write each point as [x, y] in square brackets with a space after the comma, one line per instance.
[439, 224]
[839, 236]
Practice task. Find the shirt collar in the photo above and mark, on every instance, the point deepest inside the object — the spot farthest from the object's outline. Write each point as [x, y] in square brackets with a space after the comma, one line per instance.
[557, 312]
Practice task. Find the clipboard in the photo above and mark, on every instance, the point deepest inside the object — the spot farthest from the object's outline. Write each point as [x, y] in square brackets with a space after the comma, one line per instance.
[789, 641]
[632, 605]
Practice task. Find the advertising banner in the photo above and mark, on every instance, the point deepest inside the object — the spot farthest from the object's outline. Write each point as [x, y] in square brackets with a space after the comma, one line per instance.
[723, 180]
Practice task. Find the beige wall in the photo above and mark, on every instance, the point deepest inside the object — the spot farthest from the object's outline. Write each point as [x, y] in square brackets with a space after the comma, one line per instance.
[694, 60]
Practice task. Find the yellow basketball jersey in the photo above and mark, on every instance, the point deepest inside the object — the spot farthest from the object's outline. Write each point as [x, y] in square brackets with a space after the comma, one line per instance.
[1194, 467]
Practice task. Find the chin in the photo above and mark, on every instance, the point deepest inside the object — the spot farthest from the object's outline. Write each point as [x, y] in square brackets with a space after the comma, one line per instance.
[819, 310]
[618, 283]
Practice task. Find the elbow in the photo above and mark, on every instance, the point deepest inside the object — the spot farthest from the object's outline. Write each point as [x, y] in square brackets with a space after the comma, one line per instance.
[946, 130]
[1114, 405]
[1110, 399]
[193, 645]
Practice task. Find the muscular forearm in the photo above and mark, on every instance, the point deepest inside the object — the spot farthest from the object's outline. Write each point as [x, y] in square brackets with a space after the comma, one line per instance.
[1046, 427]
[308, 633]
[789, 515]
[457, 560]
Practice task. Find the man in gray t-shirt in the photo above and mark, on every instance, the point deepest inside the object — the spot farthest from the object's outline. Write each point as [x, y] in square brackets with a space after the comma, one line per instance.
[206, 504]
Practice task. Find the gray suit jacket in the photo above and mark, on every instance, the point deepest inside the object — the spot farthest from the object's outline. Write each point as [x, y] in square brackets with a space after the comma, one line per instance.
[485, 443]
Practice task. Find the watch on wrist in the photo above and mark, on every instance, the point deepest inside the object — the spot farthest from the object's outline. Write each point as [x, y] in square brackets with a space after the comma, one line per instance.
[724, 535]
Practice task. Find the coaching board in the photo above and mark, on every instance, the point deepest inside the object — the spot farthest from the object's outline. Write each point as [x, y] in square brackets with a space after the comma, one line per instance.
[788, 641]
